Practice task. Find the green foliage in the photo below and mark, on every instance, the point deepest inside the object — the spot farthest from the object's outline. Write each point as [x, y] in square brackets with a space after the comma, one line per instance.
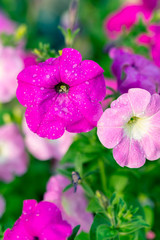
[74, 233]
[44, 52]
[14, 39]
[115, 220]
[69, 35]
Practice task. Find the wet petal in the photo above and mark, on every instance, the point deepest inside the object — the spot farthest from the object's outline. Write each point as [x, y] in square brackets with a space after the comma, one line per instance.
[129, 153]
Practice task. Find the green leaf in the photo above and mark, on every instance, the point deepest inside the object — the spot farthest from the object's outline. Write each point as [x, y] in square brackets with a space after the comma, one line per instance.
[87, 189]
[95, 206]
[133, 226]
[65, 173]
[82, 236]
[67, 187]
[99, 219]
[104, 232]
[74, 232]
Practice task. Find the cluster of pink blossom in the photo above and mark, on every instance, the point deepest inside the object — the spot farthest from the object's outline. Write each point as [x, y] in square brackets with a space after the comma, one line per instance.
[73, 206]
[64, 96]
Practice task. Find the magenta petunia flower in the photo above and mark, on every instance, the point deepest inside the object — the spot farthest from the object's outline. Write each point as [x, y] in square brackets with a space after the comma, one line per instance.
[39, 221]
[112, 83]
[127, 16]
[72, 205]
[13, 158]
[132, 127]
[152, 40]
[44, 149]
[62, 94]
[135, 71]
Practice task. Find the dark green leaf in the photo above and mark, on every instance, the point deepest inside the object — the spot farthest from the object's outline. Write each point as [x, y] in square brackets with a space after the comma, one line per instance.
[74, 232]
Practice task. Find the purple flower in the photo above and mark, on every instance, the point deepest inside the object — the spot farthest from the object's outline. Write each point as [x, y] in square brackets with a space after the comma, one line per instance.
[39, 221]
[62, 94]
[132, 128]
[135, 71]
[13, 158]
[73, 206]
[45, 149]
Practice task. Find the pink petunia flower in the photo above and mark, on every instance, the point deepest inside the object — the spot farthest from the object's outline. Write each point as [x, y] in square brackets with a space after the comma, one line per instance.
[152, 40]
[39, 221]
[135, 71]
[44, 149]
[13, 158]
[6, 25]
[62, 94]
[127, 16]
[2, 205]
[11, 64]
[132, 128]
[73, 205]
[150, 235]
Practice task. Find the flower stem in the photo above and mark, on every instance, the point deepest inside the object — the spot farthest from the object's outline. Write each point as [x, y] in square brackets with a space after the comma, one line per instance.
[103, 175]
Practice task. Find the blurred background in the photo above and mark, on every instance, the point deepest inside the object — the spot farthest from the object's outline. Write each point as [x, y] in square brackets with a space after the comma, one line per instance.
[139, 187]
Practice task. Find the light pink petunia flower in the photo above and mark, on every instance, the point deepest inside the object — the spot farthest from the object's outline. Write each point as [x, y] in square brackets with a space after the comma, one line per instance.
[13, 158]
[44, 149]
[132, 128]
[11, 63]
[6, 25]
[39, 221]
[2, 205]
[73, 205]
[150, 235]
[62, 93]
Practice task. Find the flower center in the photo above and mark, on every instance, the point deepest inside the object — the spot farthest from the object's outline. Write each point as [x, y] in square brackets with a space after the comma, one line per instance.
[62, 88]
[137, 127]
[35, 238]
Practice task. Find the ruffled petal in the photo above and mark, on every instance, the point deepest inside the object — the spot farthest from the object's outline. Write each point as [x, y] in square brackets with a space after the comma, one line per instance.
[88, 107]
[139, 100]
[41, 75]
[69, 60]
[57, 232]
[46, 213]
[45, 125]
[29, 95]
[154, 105]
[129, 153]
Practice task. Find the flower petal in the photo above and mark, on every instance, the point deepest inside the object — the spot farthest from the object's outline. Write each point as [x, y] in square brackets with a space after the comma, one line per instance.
[56, 231]
[139, 99]
[88, 107]
[44, 214]
[29, 95]
[129, 153]
[41, 75]
[110, 127]
[154, 105]
[69, 60]
[46, 124]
